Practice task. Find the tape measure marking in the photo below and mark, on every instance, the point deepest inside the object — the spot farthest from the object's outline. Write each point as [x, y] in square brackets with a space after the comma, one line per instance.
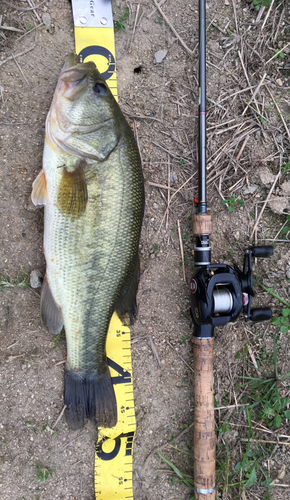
[101, 53]
[114, 449]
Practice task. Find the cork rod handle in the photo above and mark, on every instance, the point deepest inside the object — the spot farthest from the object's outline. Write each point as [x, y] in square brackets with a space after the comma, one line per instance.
[204, 426]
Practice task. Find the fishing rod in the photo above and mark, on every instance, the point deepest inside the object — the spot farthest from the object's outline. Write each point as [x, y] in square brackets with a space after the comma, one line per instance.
[218, 294]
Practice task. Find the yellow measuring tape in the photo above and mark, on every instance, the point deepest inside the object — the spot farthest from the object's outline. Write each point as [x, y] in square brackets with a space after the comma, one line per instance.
[114, 450]
[97, 45]
[94, 39]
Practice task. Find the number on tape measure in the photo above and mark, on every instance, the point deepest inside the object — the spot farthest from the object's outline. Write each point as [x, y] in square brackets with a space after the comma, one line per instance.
[125, 377]
[104, 455]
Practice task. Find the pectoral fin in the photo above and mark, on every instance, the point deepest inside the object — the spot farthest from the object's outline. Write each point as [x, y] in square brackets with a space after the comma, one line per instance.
[51, 315]
[39, 195]
[72, 193]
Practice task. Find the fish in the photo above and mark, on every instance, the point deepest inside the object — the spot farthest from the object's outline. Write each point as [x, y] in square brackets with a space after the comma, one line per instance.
[92, 189]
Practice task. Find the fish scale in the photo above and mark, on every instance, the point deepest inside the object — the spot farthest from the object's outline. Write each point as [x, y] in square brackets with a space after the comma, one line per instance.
[86, 273]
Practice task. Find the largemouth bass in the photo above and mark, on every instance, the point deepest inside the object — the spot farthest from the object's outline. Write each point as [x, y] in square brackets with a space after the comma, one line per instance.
[91, 186]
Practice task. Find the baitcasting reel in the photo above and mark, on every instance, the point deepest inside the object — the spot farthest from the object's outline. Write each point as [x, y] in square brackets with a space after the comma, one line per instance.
[219, 292]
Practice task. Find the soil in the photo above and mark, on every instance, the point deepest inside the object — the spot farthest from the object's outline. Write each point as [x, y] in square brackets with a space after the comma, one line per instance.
[166, 94]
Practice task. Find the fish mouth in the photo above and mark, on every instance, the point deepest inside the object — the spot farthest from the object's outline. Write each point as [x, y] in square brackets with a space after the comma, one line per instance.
[74, 77]
[73, 71]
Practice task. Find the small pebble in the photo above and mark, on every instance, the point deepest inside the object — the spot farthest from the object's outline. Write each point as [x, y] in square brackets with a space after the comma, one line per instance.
[159, 56]
[173, 177]
[279, 82]
[47, 20]
[36, 278]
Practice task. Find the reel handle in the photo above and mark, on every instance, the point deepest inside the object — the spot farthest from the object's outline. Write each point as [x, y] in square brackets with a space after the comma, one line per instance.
[265, 252]
[261, 314]
[204, 424]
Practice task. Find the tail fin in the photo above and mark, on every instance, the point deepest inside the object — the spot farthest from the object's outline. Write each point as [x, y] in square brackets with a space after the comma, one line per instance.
[89, 396]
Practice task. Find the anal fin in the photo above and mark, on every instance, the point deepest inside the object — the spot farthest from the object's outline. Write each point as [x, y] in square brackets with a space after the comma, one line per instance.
[50, 312]
[126, 306]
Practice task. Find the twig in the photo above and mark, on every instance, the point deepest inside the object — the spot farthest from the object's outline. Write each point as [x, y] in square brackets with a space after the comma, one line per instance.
[154, 10]
[254, 94]
[166, 150]
[280, 485]
[20, 53]
[260, 13]
[168, 192]
[181, 249]
[264, 441]
[238, 92]
[267, 15]
[31, 3]
[230, 406]
[260, 429]
[264, 206]
[278, 26]
[59, 417]
[12, 345]
[16, 62]
[60, 362]
[22, 9]
[161, 186]
[247, 78]
[253, 357]
[140, 19]
[227, 129]
[9, 28]
[10, 358]
[140, 116]
[190, 53]
[135, 23]
[236, 184]
[72, 441]
[243, 147]
[235, 14]
[189, 179]
[256, 232]
[155, 353]
[30, 31]
[277, 53]
[222, 124]
[179, 356]
[279, 112]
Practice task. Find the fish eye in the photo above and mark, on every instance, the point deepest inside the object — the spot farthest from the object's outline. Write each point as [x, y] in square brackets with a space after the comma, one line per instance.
[100, 88]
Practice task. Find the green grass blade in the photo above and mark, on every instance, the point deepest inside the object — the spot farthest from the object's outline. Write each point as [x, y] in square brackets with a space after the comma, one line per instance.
[270, 291]
[177, 471]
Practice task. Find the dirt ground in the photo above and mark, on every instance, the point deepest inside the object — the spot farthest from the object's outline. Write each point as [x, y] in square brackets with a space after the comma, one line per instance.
[246, 149]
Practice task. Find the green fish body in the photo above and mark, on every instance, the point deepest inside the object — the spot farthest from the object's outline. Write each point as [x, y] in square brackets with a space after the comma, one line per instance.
[92, 189]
